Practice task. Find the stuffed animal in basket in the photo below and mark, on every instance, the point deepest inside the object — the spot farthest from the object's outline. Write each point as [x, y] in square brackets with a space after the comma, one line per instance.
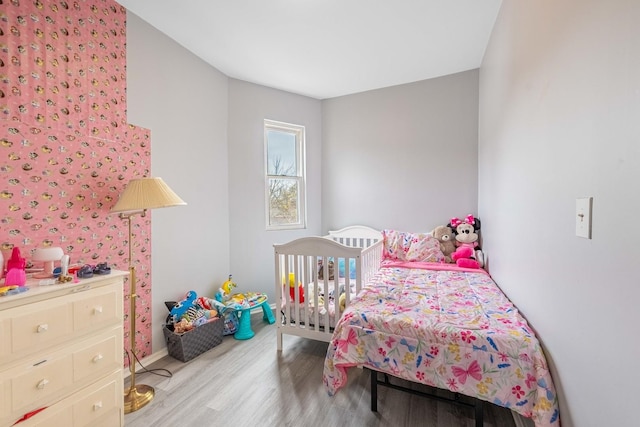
[444, 234]
[181, 308]
[182, 326]
[467, 247]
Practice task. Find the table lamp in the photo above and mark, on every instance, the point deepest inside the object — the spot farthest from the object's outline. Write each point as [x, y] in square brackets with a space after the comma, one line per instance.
[140, 195]
[48, 256]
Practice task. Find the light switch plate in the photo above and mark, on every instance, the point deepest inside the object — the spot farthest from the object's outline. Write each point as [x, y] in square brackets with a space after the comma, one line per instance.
[583, 217]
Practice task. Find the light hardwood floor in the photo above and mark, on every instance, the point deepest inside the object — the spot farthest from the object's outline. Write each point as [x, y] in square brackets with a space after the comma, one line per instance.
[249, 383]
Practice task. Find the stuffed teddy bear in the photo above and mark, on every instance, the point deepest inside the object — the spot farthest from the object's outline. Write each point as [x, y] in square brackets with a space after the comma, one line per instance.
[329, 269]
[444, 234]
[182, 326]
[466, 234]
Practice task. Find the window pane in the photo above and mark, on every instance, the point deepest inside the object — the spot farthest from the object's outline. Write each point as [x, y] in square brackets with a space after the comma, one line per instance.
[283, 201]
[281, 153]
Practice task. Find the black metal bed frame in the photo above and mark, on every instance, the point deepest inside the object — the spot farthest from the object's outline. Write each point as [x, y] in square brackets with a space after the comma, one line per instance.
[375, 382]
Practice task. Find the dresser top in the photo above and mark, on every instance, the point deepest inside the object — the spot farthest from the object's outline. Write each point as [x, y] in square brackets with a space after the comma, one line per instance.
[37, 292]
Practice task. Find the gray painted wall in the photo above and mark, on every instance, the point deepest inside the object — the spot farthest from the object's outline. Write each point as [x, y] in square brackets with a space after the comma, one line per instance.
[183, 101]
[560, 119]
[403, 157]
[251, 245]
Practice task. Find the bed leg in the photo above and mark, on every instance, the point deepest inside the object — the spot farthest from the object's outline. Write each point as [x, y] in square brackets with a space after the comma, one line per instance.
[374, 391]
[279, 340]
[479, 413]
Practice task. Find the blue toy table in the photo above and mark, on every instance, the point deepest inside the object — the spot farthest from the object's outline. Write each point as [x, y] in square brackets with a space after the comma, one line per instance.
[244, 331]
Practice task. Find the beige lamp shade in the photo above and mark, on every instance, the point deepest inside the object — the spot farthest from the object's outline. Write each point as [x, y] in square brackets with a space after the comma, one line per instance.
[146, 193]
[48, 256]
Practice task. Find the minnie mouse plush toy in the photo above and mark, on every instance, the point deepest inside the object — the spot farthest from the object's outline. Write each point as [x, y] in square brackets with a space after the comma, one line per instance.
[466, 233]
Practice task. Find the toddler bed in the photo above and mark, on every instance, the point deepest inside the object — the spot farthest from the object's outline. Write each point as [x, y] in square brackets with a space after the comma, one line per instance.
[444, 326]
[317, 277]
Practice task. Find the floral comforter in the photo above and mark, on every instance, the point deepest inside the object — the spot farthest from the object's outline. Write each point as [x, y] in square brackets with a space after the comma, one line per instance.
[449, 329]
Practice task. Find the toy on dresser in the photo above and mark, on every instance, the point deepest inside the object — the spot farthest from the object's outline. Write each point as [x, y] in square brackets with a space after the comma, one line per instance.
[16, 274]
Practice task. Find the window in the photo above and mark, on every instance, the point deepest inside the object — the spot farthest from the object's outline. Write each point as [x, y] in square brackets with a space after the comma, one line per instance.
[285, 185]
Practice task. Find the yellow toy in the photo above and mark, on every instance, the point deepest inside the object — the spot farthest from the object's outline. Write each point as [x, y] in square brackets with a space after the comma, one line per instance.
[5, 289]
[228, 285]
[343, 301]
[224, 293]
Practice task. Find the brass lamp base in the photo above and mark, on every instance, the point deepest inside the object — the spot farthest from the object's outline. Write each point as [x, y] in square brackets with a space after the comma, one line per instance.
[136, 397]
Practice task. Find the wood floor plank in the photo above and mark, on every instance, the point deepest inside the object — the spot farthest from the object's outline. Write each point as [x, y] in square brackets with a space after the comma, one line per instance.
[248, 383]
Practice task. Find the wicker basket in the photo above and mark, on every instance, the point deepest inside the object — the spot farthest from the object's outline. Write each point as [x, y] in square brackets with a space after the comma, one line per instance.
[190, 344]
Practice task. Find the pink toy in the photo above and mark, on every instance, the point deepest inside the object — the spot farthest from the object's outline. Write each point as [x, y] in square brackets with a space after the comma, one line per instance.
[16, 274]
[466, 241]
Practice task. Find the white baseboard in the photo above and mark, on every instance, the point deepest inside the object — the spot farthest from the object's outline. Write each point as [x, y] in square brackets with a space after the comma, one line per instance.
[522, 421]
[126, 372]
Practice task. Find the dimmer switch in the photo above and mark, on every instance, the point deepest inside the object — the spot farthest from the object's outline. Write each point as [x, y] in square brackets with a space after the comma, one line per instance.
[583, 217]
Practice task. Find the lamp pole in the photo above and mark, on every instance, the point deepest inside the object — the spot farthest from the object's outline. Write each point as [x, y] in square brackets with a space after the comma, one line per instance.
[136, 396]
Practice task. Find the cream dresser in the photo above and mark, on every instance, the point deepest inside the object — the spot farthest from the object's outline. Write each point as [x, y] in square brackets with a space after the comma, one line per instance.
[61, 348]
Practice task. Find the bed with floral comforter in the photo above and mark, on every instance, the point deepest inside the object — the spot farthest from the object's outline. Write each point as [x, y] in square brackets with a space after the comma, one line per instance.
[445, 327]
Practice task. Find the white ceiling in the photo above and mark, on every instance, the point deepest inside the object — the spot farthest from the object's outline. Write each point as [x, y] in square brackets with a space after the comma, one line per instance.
[327, 48]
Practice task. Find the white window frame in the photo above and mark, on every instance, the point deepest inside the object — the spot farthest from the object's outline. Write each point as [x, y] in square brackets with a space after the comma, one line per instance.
[299, 132]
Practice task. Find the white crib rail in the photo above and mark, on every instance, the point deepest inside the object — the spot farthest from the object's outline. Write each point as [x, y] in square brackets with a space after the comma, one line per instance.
[298, 261]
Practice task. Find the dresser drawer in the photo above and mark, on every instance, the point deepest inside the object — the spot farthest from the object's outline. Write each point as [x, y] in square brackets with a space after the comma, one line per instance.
[100, 307]
[39, 381]
[99, 405]
[39, 325]
[98, 358]
[53, 417]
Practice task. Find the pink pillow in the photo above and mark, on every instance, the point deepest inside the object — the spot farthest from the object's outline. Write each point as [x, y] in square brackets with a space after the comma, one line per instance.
[403, 246]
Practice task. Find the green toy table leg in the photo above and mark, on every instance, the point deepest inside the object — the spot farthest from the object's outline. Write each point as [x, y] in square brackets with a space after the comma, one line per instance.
[244, 331]
[267, 314]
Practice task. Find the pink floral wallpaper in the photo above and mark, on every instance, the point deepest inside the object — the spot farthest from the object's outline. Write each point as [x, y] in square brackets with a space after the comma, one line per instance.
[66, 149]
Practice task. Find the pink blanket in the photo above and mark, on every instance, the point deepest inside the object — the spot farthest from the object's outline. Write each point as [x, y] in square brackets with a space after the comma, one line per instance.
[448, 328]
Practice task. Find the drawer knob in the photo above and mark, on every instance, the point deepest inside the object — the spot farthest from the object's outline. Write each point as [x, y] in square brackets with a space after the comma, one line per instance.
[97, 406]
[97, 358]
[42, 384]
[43, 327]
[97, 310]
